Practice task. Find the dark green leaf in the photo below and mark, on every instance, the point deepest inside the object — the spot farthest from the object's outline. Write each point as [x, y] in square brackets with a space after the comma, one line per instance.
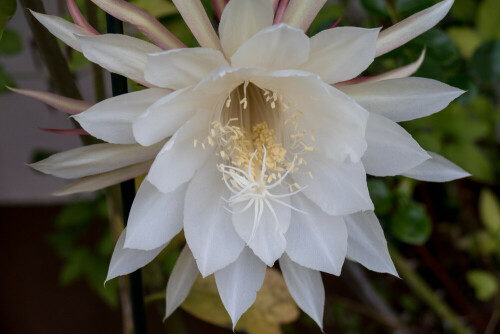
[5, 80]
[7, 10]
[411, 224]
[470, 158]
[439, 46]
[406, 8]
[485, 64]
[10, 43]
[464, 10]
[325, 18]
[375, 7]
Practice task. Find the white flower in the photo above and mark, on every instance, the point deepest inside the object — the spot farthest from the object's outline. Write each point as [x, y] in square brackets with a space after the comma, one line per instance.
[261, 145]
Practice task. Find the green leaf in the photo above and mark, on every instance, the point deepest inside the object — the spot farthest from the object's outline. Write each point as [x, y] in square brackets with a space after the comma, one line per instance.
[470, 158]
[464, 10]
[466, 39]
[439, 46]
[406, 8]
[75, 214]
[484, 283]
[11, 43]
[325, 18]
[485, 64]
[7, 10]
[381, 196]
[5, 80]
[489, 210]
[375, 7]
[411, 224]
[488, 16]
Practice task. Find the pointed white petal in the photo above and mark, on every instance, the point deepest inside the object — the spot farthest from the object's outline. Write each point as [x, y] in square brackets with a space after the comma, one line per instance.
[61, 28]
[301, 14]
[180, 68]
[239, 282]
[406, 30]
[316, 240]
[166, 115]
[155, 218]
[94, 159]
[207, 225]
[119, 54]
[306, 287]
[104, 180]
[367, 244]
[111, 119]
[179, 159]
[268, 242]
[436, 169]
[341, 53]
[180, 281]
[240, 20]
[391, 149]
[403, 99]
[274, 48]
[125, 260]
[336, 187]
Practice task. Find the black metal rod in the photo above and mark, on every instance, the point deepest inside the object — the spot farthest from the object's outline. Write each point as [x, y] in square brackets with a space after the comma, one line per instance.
[119, 86]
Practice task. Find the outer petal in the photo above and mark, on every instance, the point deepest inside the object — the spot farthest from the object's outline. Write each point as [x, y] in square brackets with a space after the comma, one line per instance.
[306, 287]
[240, 20]
[367, 244]
[111, 119]
[61, 28]
[120, 54]
[341, 53]
[166, 116]
[301, 14]
[101, 181]
[239, 282]
[391, 150]
[277, 47]
[403, 99]
[316, 240]
[338, 188]
[406, 30]
[436, 169]
[155, 217]
[180, 281]
[94, 159]
[268, 242]
[207, 225]
[180, 68]
[125, 260]
[179, 159]
[62, 103]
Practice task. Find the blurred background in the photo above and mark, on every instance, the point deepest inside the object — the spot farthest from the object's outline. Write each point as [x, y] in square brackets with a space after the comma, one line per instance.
[444, 238]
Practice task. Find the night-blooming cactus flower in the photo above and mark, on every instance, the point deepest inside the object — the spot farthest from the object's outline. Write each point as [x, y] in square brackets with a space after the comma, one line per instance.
[257, 143]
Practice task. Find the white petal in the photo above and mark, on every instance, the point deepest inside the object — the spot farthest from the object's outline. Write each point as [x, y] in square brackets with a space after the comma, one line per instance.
[155, 218]
[367, 244]
[240, 20]
[179, 159]
[101, 181]
[316, 240]
[125, 260]
[306, 287]
[165, 116]
[207, 225]
[119, 54]
[61, 28]
[338, 188]
[268, 242]
[436, 169]
[274, 48]
[94, 159]
[391, 150]
[180, 281]
[338, 120]
[403, 99]
[180, 68]
[406, 30]
[239, 282]
[111, 119]
[341, 53]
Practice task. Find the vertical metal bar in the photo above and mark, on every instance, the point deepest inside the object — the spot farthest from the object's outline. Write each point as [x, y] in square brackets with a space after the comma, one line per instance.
[119, 86]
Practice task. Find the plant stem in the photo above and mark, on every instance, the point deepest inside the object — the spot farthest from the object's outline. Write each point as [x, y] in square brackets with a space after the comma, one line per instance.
[426, 294]
[119, 86]
[97, 72]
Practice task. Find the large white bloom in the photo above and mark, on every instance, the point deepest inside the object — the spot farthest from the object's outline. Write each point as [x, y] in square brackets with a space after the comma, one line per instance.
[257, 146]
